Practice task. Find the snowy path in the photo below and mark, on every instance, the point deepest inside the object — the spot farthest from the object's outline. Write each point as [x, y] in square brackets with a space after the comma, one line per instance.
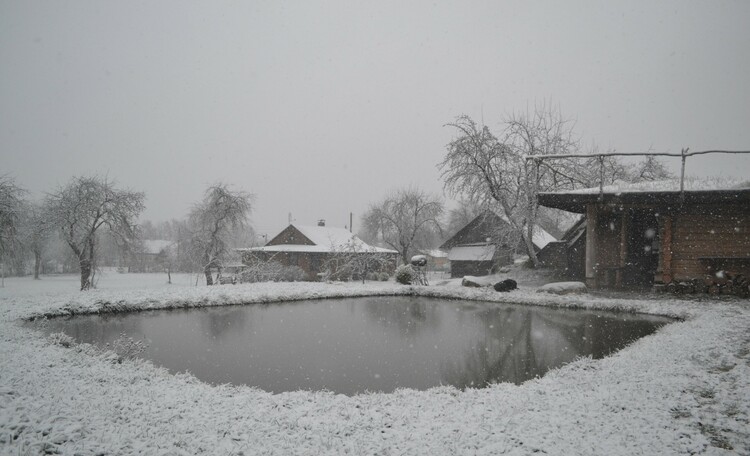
[683, 390]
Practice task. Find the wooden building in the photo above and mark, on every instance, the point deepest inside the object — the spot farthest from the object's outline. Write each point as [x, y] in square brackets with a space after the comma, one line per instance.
[474, 249]
[312, 247]
[641, 235]
[567, 257]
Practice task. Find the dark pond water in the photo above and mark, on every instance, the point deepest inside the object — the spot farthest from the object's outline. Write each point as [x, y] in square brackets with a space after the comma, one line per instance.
[366, 344]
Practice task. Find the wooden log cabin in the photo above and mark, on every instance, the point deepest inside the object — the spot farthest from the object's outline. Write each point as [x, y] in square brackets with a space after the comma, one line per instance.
[653, 234]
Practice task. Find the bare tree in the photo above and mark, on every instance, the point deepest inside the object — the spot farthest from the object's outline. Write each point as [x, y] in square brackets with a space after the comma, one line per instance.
[83, 207]
[11, 204]
[650, 169]
[406, 220]
[35, 232]
[213, 220]
[491, 170]
[355, 260]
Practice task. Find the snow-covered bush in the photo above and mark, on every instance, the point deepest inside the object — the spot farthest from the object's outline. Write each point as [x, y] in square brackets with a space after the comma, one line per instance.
[127, 348]
[405, 274]
[271, 271]
[61, 339]
[383, 276]
[291, 274]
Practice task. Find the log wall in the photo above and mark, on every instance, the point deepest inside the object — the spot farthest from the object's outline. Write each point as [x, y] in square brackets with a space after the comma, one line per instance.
[719, 232]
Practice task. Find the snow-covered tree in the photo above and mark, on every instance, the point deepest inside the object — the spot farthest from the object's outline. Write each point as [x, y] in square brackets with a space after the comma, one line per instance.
[35, 232]
[87, 205]
[406, 220]
[11, 206]
[497, 171]
[212, 222]
[650, 169]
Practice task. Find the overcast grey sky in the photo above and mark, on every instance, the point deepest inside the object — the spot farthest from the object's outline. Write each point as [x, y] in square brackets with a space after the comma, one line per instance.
[319, 108]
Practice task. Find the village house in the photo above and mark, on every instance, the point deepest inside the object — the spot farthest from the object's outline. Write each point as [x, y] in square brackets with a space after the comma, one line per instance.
[474, 249]
[311, 248]
[653, 234]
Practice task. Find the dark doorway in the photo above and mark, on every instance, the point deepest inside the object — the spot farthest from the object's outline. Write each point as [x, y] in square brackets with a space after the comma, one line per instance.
[642, 258]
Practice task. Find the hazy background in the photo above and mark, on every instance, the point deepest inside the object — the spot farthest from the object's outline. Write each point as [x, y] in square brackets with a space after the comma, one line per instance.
[319, 108]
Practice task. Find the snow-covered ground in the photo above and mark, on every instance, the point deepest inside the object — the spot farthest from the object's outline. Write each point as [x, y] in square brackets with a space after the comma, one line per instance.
[683, 390]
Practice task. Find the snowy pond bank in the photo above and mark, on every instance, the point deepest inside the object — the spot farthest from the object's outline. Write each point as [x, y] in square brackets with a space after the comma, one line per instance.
[683, 390]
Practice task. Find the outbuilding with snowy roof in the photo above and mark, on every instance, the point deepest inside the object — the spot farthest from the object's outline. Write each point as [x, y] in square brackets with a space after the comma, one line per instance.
[655, 234]
[477, 248]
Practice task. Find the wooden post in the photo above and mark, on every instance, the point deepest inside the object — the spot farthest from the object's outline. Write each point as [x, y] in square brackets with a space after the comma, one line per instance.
[591, 256]
[666, 251]
[683, 154]
[601, 178]
[624, 225]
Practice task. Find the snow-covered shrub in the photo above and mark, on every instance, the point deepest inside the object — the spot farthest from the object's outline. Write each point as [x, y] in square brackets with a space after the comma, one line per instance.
[291, 274]
[262, 271]
[271, 271]
[405, 274]
[383, 276]
[61, 339]
[127, 348]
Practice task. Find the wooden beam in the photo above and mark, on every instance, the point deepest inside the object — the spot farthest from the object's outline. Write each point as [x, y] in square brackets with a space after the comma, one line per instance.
[591, 254]
[624, 228]
[666, 250]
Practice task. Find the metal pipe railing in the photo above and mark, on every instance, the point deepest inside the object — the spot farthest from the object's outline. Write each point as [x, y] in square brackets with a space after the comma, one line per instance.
[683, 155]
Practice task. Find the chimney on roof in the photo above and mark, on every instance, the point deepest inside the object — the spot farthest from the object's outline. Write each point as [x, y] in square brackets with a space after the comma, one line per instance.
[322, 222]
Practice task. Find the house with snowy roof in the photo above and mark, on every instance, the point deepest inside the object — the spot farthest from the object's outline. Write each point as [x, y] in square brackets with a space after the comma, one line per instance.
[312, 247]
[475, 249]
[661, 233]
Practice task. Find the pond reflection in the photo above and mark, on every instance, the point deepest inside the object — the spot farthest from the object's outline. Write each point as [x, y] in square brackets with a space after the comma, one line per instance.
[377, 344]
[522, 343]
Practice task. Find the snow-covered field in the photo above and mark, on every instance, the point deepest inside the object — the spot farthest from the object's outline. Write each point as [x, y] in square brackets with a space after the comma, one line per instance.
[682, 390]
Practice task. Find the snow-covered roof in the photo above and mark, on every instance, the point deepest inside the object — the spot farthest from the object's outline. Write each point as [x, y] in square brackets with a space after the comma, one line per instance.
[155, 246]
[692, 184]
[327, 240]
[723, 190]
[540, 237]
[472, 253]
[436, 253]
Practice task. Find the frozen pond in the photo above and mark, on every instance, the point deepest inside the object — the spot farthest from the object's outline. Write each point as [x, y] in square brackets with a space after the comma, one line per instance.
[366, 344]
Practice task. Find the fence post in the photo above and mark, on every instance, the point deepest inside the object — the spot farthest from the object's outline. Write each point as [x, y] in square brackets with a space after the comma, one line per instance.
[601, 177]
[683, 157]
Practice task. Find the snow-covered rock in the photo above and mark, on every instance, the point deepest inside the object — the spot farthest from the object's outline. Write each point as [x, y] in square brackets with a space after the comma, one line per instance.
[563, 288]
[477, 282]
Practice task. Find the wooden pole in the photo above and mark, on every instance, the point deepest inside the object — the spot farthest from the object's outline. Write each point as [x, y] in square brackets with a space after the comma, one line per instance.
[601, 177]
[591, 254]
[666, 251]
[638, 154]
[624, 225]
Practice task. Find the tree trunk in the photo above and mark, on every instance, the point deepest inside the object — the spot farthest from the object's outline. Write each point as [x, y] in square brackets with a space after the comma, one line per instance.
[85, 266]
[209, 278]
[530, 244]
[37, 264]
